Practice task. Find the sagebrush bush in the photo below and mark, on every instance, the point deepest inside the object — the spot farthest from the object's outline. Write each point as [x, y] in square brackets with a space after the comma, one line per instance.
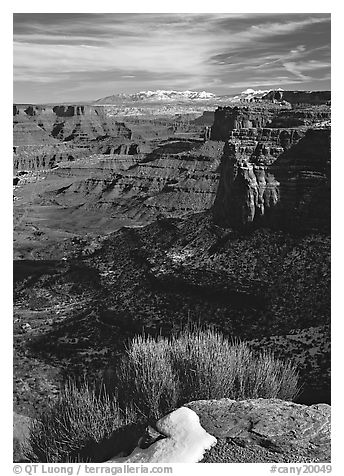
[145, 377]
[79, 417]
[160, 374]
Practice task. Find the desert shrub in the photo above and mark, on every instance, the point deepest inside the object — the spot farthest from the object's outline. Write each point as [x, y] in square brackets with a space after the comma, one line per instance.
[81, 416]
[145, 376]
[270, 377]
[200, 364]
[160, 374]
[210, 366]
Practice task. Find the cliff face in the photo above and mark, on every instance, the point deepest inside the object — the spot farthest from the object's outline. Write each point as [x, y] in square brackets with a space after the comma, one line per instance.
[73, 123]
[228, 119]
[283, 182]
[302, 116]
[271, 173]
[296, 97]
[44, 156]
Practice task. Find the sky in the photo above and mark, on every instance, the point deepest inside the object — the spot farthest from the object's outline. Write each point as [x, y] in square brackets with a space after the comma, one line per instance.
[86, 56]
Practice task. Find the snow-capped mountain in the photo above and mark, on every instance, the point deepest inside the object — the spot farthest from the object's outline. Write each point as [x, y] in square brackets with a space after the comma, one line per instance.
[253, 94]
[165, 95]
[172, 96]
[158, 95]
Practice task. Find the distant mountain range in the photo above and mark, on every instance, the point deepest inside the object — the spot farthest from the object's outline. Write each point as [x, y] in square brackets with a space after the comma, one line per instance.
[159, 95]
[168, 98]
[171, 96]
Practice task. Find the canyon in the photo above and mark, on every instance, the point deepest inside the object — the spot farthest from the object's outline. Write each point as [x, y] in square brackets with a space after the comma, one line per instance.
[214, 211]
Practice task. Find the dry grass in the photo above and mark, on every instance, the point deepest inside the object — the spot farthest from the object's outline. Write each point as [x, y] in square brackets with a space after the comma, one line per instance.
[80, 417]
[146, 377]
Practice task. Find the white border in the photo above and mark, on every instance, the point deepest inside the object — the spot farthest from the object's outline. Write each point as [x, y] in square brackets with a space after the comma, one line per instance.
[6, 89]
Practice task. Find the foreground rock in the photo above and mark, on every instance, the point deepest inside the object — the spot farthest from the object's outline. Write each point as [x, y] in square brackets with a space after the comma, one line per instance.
[262, 431]
[228, 431]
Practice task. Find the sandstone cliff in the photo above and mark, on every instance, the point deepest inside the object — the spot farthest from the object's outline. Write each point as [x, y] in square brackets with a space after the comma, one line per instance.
[230, 118]
[275, 177]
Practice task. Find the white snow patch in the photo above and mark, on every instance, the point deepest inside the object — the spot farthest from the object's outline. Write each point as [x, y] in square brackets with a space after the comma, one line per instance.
[185, 442]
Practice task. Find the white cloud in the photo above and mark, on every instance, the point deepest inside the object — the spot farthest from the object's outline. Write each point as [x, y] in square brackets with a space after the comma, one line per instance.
[174, 49]
[298, 68]
[282, 28]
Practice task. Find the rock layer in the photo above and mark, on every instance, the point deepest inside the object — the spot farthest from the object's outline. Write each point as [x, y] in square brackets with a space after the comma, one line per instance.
[175, 179]
[43, 136]
[230, 118]
[227, 119]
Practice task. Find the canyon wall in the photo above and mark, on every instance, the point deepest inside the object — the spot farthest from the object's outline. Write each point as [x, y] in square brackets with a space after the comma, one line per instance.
[227, 119]
[297, 97]
[43, 136]
[275, 177]
[170, 181]
[230, 118]
[257, 165]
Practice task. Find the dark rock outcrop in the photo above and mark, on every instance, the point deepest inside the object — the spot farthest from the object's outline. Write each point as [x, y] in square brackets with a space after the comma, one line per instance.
[297, 97]
[227, 119]
[206, 119]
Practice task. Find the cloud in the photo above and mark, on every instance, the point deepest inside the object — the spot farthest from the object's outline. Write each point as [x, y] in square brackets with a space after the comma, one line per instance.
[299, 68]
[103, 51]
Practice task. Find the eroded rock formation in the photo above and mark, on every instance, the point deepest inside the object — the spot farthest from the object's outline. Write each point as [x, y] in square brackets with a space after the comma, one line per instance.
[230, 118]
[227, 119]
[278, 177]
[43, 136]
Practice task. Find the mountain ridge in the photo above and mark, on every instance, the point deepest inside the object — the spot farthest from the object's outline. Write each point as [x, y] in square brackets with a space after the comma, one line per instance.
[159, 95]
[174, 96]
